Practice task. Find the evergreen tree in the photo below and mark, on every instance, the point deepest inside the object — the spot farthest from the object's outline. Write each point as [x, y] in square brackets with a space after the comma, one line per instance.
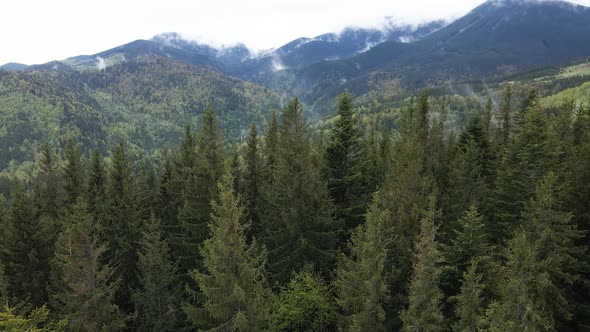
[424, 312]
[253, 178]
[82, 287]
[96, 187]
[505, 119]
[360, 281]
[305, 304]
[121, 227]
[200, 191]
[21, 252]
[298, 221]
[469, 301]
[233, 284]
[271, 147]
[344, 166]
[73, 173]
[157, 299]
[532, 152]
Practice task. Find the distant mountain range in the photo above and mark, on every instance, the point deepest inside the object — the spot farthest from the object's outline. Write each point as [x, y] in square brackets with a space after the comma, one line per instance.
[497, 39]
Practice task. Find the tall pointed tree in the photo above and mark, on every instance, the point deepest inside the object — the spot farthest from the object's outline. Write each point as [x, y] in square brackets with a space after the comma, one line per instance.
[253, 179]
[344, 166]
[121, 227]
[96, 187]
[298, 221]
[233, 281]
[157, 299]
[424, 312]
[271, 147]
[83, 288]
[469, 301]
[73, 172]
[361, 282]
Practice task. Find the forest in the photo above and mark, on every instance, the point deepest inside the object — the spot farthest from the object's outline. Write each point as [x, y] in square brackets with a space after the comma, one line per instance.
[423, 226]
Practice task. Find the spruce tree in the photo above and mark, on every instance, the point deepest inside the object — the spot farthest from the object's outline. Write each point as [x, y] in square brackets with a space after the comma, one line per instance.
[531, 153]
[271, 147]
[424, 312]
[505, 119]
[121, 227]
[253, 179]
[361, 282]
[298, 221]
[82, 286]
[344, 166]
[200, 189]
[157, 298]
[96, 187]
[73, 173]
[233, 281]
[21, 251]
[469, 301]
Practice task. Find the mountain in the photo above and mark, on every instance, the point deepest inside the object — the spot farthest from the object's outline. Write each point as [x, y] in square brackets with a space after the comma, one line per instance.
[145, 102]
[14, 66]
[498, 38]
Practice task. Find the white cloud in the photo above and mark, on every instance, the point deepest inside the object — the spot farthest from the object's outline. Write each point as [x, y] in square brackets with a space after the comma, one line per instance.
[41, 31]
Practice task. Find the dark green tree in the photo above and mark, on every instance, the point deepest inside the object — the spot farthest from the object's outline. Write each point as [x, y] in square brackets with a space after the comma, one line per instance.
[361, 282]
[82, 287]
[252, 181]
[344, 166]
[298, 221]
[96, 187]
[233, 284]
[469, 301]
[157, 299]
[424, 312]
[73, 173]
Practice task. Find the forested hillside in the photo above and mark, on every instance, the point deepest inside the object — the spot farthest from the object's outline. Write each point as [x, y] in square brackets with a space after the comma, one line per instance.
[145, 103]
[421, 224]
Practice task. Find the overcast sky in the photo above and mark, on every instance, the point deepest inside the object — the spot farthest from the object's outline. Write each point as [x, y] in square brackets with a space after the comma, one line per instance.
[38, 31]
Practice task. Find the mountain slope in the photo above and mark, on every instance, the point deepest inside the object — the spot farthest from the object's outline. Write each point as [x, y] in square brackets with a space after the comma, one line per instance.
[498, 38]
[145, 102]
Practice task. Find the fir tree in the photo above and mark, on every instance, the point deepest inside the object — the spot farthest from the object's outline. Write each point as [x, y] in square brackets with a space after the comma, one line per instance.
[344, 166]
[157, 300]
[83, 288]
[233, 284]
[360, 281]
[96, 187]
[298, 221]
[73, 173]
[271, 147]
[469, 301]
[253, 178]
[121, 227]
[424, 312]
[21, 251]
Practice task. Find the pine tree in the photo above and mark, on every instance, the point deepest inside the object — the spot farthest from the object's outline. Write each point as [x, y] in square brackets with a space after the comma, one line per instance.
[73, 173]
[306, 303]
[469, 301]
[505, 120]
[532, 152]
[424, 312]
[96, 187]
[271, 147]
[200, 190]
[344, 166]
[233, 284]
[298, 221]
[469, 244]
[361, 283]
[156, 301]
[82, 287]
[121, 227]
[486, 117]
[253, 179]
[21, 251]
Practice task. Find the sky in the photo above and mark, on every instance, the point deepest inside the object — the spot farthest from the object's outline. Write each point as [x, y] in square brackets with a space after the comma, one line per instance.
[39, 31]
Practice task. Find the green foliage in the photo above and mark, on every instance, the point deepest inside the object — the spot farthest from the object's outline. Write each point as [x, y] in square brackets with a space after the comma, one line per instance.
[305, 304]
[35, 321]
[469, 301]
[344, 166]
[233, 284]
[424, 312]
[361, 282]
[82, 287]
[157, 300]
